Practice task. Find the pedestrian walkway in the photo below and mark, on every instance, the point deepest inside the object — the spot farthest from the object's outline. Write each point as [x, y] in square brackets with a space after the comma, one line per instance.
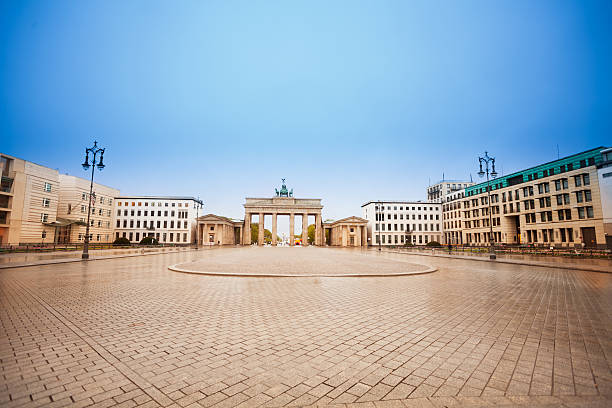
[18, 260]
[129, 332]
[561, 262]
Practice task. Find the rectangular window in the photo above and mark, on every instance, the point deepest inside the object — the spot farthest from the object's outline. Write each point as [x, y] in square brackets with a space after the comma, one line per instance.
[46, 202]
[589, 211]
[578, 181]
[47, 187]
[581, 213]
[560, 214]
[586, 180]
[44, 217]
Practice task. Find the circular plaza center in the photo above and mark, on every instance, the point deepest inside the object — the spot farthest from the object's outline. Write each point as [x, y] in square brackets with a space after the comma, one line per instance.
[297, 262]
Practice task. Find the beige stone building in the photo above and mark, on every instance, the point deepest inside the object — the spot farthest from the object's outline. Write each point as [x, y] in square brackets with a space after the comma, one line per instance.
[218, 230]
[28, 202]
[553, 204]
[72, 211]
[347, 232]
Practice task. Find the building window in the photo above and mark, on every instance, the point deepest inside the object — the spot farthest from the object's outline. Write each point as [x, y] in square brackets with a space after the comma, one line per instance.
[44, 217]
[47, 187]
[83, 196]
[46, 202]
[589, 211]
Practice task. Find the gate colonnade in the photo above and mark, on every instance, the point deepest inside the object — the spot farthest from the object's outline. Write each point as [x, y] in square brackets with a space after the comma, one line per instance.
[276, 206]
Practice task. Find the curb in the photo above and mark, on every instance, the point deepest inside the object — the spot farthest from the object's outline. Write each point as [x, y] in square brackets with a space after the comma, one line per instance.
[99, 258]
[507, 261]
[175, 268]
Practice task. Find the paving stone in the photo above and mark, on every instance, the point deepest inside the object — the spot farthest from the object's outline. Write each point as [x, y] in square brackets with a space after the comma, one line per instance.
[129, 331]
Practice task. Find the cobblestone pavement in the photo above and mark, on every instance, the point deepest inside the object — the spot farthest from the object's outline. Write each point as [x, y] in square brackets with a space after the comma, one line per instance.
[297, 261]
[129, 332]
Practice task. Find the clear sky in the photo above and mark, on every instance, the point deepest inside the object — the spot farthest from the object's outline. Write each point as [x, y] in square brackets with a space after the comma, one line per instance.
[349, 101]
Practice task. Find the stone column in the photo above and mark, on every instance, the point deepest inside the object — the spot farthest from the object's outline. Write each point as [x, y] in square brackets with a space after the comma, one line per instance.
[364, 236]
[305, 229]
[291, 229]
[318, 240]
[219, 235]
[345, 234]
[357, 230]
[260, 237]
[246, 240]
[274, 229]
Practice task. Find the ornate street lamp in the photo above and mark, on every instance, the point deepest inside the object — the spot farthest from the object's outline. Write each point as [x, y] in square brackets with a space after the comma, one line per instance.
[198, 205]
[93, 164]
[380, 215]
[489, 161]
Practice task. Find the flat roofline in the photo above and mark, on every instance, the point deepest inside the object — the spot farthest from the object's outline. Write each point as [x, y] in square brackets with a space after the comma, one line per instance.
[29, 161]
[451, 181]
[88, 181]
[518, 172]
[160, 198]
[268, 198]
[399, 202]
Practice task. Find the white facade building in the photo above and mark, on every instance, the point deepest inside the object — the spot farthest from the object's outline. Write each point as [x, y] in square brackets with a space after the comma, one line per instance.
[446, 190]
[392, 223]
[170, 220]
[604, 176]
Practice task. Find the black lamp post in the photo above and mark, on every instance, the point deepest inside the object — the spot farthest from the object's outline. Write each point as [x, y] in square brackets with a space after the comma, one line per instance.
[380, 215]
[489, 160]
[198, 205]
[93, 164]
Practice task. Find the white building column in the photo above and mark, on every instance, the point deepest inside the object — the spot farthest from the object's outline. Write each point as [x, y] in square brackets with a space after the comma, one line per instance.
[274, 215]
[260, 237]
[305, 229]
[219, 234]
[364, 236]
[318, 239]
[246, 233]
[291, 229]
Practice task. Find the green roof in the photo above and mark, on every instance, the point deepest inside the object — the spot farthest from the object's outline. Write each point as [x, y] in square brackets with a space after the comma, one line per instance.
[594, 155]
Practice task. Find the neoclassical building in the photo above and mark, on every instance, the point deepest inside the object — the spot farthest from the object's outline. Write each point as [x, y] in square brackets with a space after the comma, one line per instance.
[218, 230]
[347, 232]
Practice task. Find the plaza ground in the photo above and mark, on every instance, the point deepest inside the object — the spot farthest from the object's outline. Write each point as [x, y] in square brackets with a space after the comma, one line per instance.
[131, 332]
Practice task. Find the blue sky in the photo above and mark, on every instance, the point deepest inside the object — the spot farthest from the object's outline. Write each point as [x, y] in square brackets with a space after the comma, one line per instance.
[350, 101]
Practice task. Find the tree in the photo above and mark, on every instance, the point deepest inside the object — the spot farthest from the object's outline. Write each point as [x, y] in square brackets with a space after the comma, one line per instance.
[311, 234]
[433, 244]
[148, 241]
[121, 241]
[255, 234]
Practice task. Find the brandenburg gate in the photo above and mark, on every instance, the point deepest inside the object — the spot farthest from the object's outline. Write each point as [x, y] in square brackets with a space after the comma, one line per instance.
[283, 204]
